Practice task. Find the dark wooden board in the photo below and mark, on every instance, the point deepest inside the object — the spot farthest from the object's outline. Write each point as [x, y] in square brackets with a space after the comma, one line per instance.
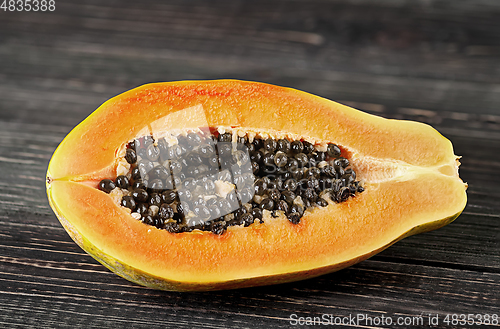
[433, 61]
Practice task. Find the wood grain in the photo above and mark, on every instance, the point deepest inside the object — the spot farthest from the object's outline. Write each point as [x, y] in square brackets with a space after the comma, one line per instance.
[431, 61]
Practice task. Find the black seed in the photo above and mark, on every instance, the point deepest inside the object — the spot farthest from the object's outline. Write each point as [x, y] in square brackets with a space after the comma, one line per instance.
[131, 156]
[313, 183]
[309, 194]
[256, 213]
[297, 147]
[342, 162]
[153, 153]
[240, 211]
[193, 139]
[145, 166]
[292, 163]
[172, 227]
[211, 202]
[206, 151]
[270, 145]
[260, 187]
[302, 159]
[194, 159]
[209, 186]
[343, 194]
[258, 142]
[183, 208]
[288, 196]
[225, 176]
[268, 159]
[201, 211]
[319, 156]
[189, 184]
[225, 138]
[224, 150]
[274, 194]
[294, 218]
[224, 206]
[238, 181]
[155, 199]
[142, 152]
[325, 183]
[140, 183]
[339, 172]
[132, 145]
[348, 178]
[360, 188]
[218, 228]
[148, 219]
[297, 173]
[308, 147]
[337, 185]
[250, 148]
[175, 167]
[328, 171]
[177, 180]
[242, 140]
[257, 156]
[122, 182]
[176, 152]
[297, 209]
[147, 140]
[156, 185]
[198, 201]
[233, 199]
[241, 157]
[128, 202]
[136, 174]
[290, 184]
[283, 145]
[185, 195]
[214, 211]
[187, 228]
[107, 185]
[166, 211]
[163, 148]
[247, 219]
[213, 162]
[280, 159]
[255, 167]
[140, 195]
[333, 151]
[286, 175]
[142, 208]
[312, 172]
[353, 188]
[322, 202]
[267, 204]
[351, 172]
[278, 183]
[282, 205]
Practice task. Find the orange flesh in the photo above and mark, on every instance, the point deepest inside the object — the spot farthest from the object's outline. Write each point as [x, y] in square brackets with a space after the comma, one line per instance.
[410, 173]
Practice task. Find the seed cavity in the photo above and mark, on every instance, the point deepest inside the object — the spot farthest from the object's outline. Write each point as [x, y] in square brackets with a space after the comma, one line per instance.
[211, 179]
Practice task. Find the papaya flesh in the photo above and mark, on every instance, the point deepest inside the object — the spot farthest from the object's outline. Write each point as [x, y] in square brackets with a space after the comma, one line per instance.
[409, 170]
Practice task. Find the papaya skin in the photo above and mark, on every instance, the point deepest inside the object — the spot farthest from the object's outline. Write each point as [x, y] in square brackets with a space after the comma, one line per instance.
[410, 173]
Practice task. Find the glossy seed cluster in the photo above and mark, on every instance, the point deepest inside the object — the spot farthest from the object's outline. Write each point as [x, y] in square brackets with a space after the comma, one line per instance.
[209, 181]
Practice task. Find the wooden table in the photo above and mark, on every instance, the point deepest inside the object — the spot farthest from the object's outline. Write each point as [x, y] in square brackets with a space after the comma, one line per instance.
[435, 61]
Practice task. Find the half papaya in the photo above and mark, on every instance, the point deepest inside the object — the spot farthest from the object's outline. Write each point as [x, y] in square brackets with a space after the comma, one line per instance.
[367, 183]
